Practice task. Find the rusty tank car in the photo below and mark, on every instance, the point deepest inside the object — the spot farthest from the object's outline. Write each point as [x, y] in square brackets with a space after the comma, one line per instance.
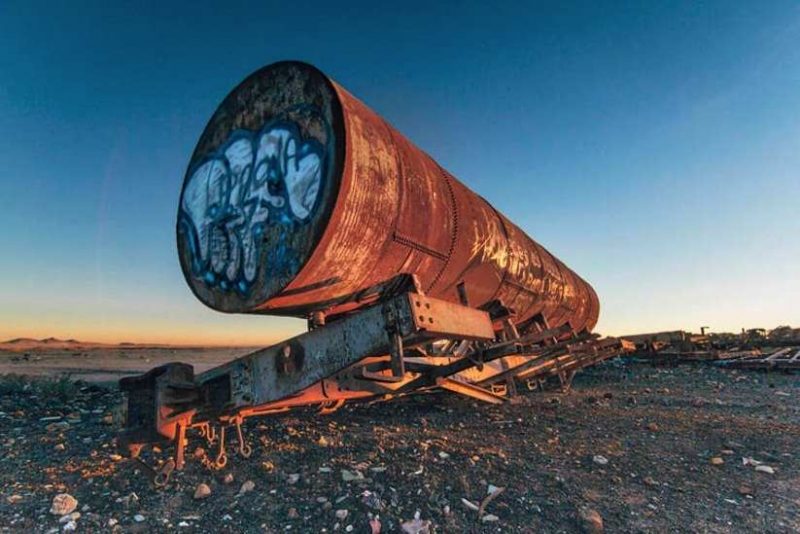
[299, 198]
[301, 201]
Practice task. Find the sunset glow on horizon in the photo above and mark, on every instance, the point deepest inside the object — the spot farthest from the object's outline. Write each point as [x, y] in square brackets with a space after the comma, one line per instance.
[656, 150]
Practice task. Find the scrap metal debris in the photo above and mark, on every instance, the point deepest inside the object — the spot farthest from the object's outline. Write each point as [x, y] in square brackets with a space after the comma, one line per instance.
[777, 349]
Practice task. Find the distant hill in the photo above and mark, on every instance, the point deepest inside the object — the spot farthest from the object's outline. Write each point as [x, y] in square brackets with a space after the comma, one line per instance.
[26, 344]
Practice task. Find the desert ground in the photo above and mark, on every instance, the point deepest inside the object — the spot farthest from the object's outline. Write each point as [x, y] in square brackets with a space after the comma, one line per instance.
[638, 447]
[102, 364]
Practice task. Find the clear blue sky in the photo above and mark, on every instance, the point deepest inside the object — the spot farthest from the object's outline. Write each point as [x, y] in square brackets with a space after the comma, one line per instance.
[653, 146]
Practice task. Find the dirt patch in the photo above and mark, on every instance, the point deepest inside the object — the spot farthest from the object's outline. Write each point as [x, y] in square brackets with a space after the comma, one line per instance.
[107, 365]
[631, 442]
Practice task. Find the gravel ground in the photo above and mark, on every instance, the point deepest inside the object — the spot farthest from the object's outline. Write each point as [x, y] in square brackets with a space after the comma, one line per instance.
[642, 448]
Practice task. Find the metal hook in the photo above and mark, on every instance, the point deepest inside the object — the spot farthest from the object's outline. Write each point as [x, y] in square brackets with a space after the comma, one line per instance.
[222, 457]
[244, 448]
[209, 432]
[162, 475]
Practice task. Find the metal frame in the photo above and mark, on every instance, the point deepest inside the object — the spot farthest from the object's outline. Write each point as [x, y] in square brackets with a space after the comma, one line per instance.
[407, 343]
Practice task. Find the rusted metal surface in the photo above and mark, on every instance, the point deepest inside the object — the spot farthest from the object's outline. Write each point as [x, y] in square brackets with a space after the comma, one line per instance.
[400, 345]
[296, 364]
[756, 348]
[780, 359]
[300, 199]
[470, 390]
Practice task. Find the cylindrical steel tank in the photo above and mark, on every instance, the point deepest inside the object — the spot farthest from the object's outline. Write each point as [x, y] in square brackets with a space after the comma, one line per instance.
[298, 198]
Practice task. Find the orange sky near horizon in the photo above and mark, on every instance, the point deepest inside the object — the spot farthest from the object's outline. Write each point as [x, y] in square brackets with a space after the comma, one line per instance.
[190, 323]
[223, 330]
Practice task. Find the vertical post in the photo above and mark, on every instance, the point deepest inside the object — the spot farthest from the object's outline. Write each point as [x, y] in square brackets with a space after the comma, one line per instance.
[180, 446]
[398, 364]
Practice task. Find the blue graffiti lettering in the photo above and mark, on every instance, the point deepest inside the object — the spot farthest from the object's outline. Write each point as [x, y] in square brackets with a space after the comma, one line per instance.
[254, 180]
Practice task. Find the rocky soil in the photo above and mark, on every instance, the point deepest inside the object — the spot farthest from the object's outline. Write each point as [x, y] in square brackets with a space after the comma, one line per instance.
[633, 448]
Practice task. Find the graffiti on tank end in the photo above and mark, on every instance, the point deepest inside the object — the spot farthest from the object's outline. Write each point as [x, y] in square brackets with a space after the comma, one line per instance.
[253, 181]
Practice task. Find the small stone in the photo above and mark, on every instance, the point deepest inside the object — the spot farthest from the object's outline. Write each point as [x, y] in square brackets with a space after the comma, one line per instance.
[71, 526]
[108, 420]
[202, 491]
[469, 504]
[765, 469]
[716, 460]
[183, 524]
[416, 525]
[591, 521]
[350, 476]
[112, 522]
[57, 427]
[443, 455]
[726, 452]
[228, 478]
[745, 490]
[63, 504]
[128, 500]
[341, 514]
[489, 518]
[14, 499]
[59, 447]
[322, 500]
[322, 442]
[372, 500]
[293, 478]
[348, 528]
[600, 460]
[292, 513]
[115, 457]
[248, 485]
[227, 517]
[650, 481]
[138, 518]
[652, 427]
[74, 516]
[325, 469]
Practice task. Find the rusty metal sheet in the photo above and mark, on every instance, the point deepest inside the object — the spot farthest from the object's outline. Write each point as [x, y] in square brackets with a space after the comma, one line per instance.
[442, 319]
[298, 363]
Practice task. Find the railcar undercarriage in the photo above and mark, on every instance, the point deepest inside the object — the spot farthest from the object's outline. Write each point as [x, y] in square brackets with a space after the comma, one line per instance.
[407, 343]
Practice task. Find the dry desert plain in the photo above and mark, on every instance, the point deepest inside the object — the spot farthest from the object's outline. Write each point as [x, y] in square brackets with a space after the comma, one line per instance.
[638, 447]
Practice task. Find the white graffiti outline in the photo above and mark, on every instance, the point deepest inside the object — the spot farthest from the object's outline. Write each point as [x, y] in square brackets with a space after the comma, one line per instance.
[272, 177]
